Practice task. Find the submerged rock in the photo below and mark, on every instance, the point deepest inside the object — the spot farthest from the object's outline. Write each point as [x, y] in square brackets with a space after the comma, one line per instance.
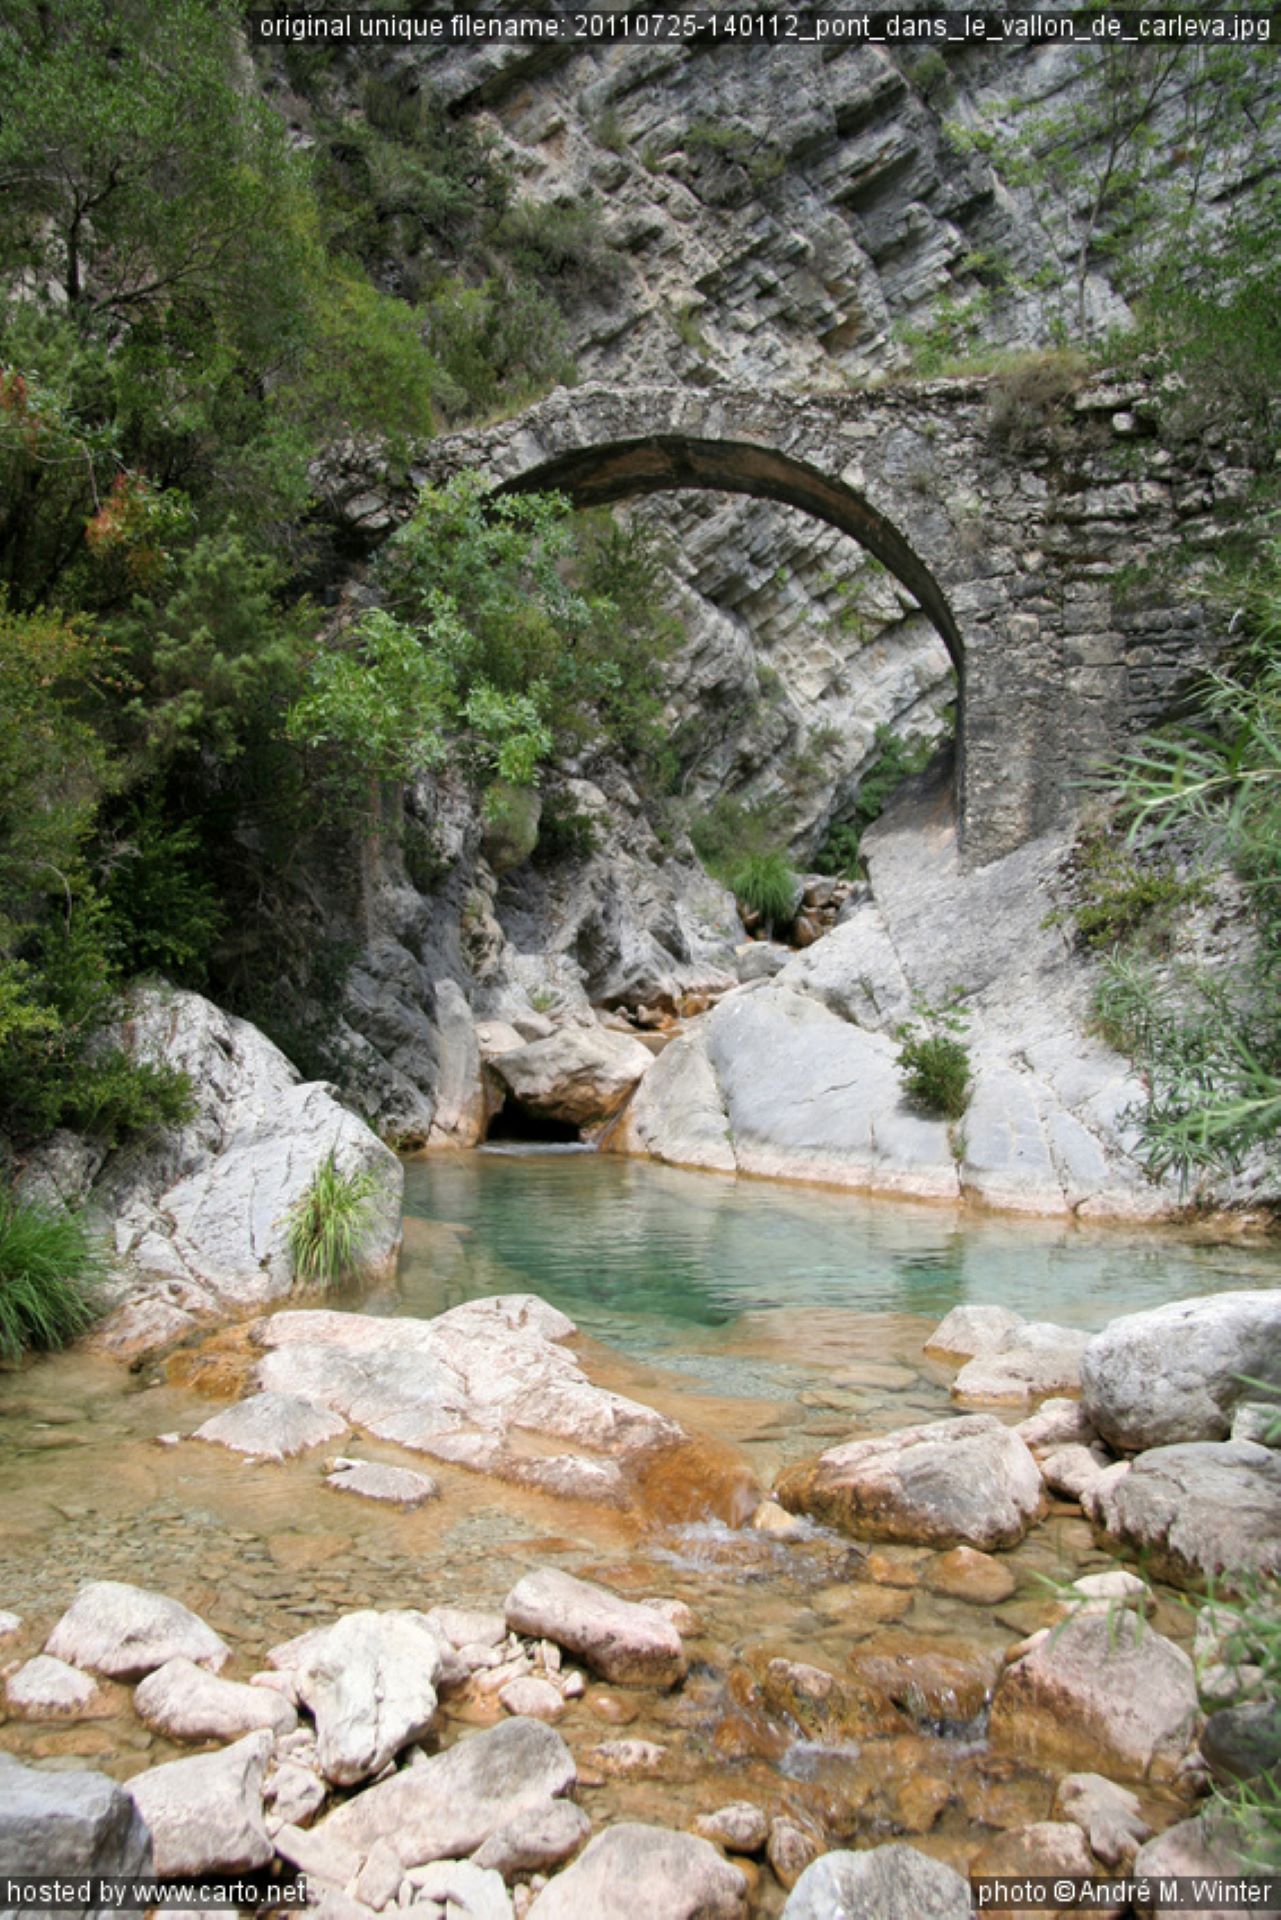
[631, 1870]
[972, 1329]
[1033, 1362]
[450, 1805]
[621, 1641]
[205, 1814]
[1177, 1373]
[126, 1632]
[369, 1682]
[74, 1822]
[965, 1574]
[271, 1426]
[398, 1486]
[959, 1482]
[1095, 1694]
[884, 1883]
[1205, 1511]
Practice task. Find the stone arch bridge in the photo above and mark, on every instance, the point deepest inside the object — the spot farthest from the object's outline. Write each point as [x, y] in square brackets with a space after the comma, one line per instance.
[1010, 520]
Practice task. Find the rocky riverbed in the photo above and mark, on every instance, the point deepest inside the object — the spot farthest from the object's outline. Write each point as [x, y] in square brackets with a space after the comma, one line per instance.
[332, 1633]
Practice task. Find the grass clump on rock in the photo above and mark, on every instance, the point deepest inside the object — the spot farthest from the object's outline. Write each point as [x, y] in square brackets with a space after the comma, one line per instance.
[764, 884]
[50, 1271]
[935, 1062]
[330, 1222]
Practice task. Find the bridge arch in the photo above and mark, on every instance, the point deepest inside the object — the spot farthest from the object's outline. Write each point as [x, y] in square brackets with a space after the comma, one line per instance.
[1010, 554]
[602, 475]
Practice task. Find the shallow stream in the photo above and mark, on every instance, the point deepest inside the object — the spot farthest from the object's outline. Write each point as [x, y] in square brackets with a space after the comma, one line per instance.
[771, 1320]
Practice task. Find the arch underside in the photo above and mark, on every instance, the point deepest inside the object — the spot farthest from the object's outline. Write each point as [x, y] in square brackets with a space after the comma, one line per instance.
[599, 476]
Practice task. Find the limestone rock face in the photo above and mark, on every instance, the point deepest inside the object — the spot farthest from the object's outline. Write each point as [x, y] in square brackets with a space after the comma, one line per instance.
[619, 1640]
[465, 1387]
[632, 1869]
[369, 1682]
[1091, 1694]
[1177, 1372]
[580, 1075]
[967, 1482]
[184, 1702]
[884, 1883]
[451, 1805]
[82, 1822]
[126, 1632]
[202, 1215]
[1195, 1513]
[205, 1814]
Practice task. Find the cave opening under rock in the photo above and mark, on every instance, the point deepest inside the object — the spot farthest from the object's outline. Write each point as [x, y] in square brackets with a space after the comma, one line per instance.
[514, 1122]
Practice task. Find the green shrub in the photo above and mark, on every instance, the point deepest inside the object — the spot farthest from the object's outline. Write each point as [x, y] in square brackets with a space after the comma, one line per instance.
[765, 884]
[895, 760]
[50, 1271]
[1118, 899]
[330, 1222]
[934, 1061]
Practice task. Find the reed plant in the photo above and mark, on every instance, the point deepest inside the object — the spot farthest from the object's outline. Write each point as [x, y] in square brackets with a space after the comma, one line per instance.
[330, 1222]
[51, 1269]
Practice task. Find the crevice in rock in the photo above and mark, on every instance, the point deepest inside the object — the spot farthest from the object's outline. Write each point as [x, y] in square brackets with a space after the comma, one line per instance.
[514, 1121]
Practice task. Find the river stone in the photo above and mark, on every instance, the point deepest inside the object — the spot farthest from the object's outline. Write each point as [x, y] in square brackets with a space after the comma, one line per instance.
[9, 1623]
[884, 1883]
[536, 1840]
[632, 1869]
[469, 1626]
[677, 1114]
[789, 1849]
[1074, 1471]
[741, 1827]
[184, 1702]
[295, 1795]
[970, 1330]
[126, 1632]
[45, 1688]
[451, 1804]
[1095, 1693]
[623, 1642]
[1257, 1420]
[1109, 1816]
[965, 1482]
[965, 1574]
[1056, 1423]
[1032, 1362]
[467, 1387]
[205, 1814]
[1200, 1512]
[528, 1694]
[1177, 1373]
[1202, 1848]
[271, 1426]
[580, 1075]
[369, 1682]
[77, 1822]
[399, 1486]
[452, 1889]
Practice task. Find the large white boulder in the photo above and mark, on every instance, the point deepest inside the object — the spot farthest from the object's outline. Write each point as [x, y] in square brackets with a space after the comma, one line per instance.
[205, 1814]
[369, 1682]
[202, 1214]
[883, 1883]
[1033, 1362]
[966, 1482]
[183, 1702]
[619, 1640]
[468, 1387]
[126, 1632]
[580, 1075]
[1207, 1513]
[632, 1869]
[1099, 1693]
[1177, 1372]
[450, 1805]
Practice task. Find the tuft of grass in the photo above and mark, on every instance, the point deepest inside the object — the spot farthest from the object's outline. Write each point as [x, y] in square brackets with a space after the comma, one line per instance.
[765, 884]
[934, 1061]
[330, 1222]
[50, 1270]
